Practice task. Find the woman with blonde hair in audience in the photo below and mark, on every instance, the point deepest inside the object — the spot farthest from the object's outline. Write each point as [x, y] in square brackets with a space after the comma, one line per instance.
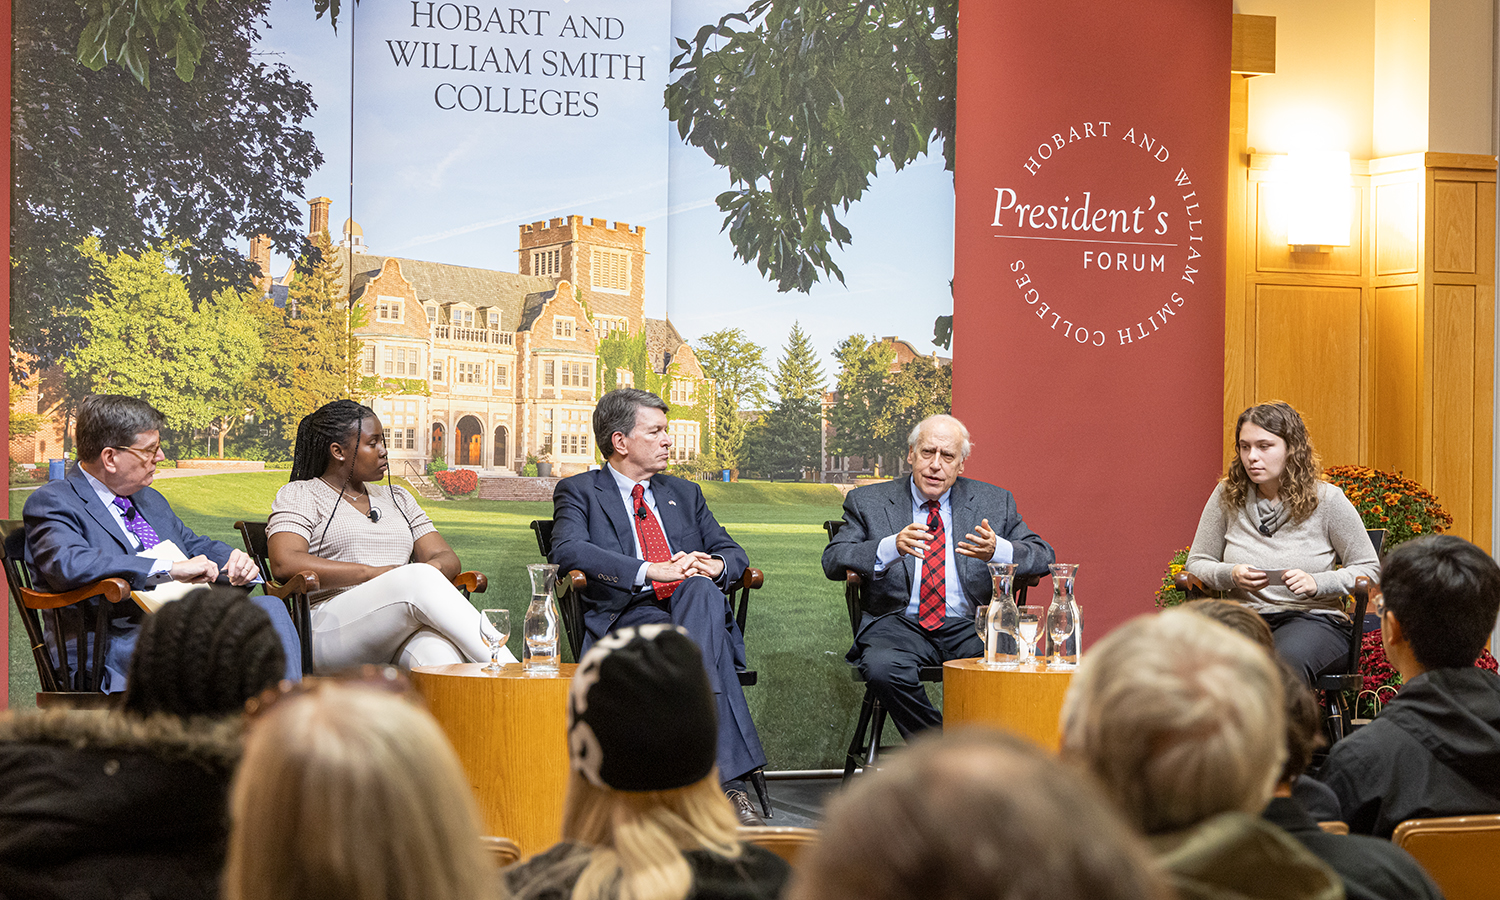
[1275, 534]
[350, 792]
[645, 817]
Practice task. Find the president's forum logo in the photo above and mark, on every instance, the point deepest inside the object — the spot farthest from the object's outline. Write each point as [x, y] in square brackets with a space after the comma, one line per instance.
[1102, 234]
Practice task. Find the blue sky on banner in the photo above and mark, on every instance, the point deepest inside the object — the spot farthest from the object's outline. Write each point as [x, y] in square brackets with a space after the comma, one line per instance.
[451, 185]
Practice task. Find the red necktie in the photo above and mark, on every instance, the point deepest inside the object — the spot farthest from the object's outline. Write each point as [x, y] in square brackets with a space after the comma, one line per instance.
[653, 541]
[931, 602]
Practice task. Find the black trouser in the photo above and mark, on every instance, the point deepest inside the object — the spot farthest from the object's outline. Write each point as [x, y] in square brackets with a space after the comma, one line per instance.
[1311, 643]
[891, 649]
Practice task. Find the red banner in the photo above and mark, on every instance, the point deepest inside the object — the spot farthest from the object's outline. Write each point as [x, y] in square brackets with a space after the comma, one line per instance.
[1089, 275]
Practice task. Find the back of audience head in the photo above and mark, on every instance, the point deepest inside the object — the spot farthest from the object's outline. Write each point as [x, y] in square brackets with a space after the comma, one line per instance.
[1445, 593]
[1238, 616]
[203, 655]
[1304, 725]
[348, 792]
[1180, 718]
[973, 815]
[643, 786]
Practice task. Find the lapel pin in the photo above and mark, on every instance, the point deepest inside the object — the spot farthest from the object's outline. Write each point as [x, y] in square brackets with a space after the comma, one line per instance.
[671, 502]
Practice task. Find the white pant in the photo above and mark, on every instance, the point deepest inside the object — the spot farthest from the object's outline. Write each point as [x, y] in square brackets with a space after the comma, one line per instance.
[410, 616]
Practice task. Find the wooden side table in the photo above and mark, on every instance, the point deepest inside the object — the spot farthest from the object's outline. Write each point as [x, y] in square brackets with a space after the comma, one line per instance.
[1025, 700]
[510, 732]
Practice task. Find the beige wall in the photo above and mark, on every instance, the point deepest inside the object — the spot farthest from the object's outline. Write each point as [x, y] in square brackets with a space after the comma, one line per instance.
[1461, 84]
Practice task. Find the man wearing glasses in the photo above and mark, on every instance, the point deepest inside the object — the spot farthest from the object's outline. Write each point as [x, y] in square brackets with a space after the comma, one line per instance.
[104, 520]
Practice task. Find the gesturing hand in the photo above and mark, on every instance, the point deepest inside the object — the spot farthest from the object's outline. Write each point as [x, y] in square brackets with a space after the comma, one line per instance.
[912, 540]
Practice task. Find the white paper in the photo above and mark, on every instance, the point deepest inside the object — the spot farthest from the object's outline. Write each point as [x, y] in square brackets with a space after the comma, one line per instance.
[152, 599]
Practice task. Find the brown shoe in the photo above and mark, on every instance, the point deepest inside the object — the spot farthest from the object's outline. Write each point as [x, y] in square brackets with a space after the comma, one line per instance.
[744, 810]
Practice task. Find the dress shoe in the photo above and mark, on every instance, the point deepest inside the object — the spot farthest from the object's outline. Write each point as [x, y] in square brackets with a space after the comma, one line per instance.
[744, 810]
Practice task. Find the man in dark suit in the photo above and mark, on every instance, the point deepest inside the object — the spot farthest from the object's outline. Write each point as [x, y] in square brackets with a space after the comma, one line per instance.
[654, 553]
[903, 538]
[100, 520]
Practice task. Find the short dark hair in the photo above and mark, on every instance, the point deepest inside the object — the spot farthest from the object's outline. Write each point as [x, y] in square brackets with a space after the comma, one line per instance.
[113, 420]
[616, 413]
[1304, 723]
[1445, 592]
[204, 655]
[329, 424]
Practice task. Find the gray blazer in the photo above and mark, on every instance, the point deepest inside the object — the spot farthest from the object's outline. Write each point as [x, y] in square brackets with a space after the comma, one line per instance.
[880, 510]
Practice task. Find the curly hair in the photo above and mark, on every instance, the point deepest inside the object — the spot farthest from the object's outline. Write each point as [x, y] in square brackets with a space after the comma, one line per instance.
[1299, 480]
[331, 423]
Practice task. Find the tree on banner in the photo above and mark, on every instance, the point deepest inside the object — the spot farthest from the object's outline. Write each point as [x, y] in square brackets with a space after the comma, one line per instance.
[787, 442]
[200, 164]
[801, 101]
[147, 340]
[311, 354]
[879, 402]
[738, 367]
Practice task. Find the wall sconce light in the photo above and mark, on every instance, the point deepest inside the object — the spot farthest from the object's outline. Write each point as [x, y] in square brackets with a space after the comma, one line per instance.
[1317, 194]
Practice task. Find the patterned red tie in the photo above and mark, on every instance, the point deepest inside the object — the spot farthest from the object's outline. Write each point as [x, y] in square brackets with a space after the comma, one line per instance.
[931, 596]
[653, 541]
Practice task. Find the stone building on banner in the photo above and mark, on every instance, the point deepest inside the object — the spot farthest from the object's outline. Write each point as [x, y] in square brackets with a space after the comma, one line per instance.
[492, 367]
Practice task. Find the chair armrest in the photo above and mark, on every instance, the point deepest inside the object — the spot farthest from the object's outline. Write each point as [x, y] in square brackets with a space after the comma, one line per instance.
[1190, 584]
[578, 581]
[301, 583]
[753, 579]
[473, 582]
[112, 589]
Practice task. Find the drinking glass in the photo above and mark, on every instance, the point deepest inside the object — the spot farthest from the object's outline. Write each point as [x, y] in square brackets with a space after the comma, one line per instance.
[1060, 622]
[495, 635]
[981, 625]
[1028, 629]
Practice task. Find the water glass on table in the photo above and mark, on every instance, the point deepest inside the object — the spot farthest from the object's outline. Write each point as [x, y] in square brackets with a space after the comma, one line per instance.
[1060, 624]
[495, 635]
[1028, 629]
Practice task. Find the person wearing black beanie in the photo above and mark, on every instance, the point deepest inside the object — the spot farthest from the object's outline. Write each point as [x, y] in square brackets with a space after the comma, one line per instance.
[644, 817]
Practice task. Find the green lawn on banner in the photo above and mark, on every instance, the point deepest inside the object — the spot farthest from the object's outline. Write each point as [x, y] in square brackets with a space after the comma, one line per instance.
[805, 704]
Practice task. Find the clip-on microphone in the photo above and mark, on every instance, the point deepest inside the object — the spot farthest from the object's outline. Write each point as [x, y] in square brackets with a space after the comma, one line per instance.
[374, 514]
[641, 513]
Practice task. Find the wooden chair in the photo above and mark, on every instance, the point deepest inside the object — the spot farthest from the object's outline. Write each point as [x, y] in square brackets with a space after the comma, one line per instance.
[503, 851]
[1461, 853]
[572, 585]
[785, 841]
[1338, 687]
[864, 749]
[1334, 827]
[58, 688]
[295, 590]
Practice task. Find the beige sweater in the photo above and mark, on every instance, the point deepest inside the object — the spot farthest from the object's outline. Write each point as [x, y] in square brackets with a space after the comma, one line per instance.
[1332, 534]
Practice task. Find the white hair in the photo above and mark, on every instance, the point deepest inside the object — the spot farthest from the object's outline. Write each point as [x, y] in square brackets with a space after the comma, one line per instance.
[964, 446]
[1180, 717]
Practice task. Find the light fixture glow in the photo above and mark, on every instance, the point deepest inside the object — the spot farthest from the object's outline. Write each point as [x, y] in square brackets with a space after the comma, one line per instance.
[1317, 194]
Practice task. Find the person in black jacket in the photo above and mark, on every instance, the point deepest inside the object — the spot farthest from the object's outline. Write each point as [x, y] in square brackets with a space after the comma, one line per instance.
[1434, 750]
[1372, 869]
[131, 803]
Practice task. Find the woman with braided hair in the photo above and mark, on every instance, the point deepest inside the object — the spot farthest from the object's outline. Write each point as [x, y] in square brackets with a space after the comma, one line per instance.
[133, 802]
[386, 574]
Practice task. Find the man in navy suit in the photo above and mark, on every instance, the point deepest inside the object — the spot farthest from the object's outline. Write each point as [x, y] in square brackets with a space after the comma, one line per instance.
[934, 528]
[96, 522]
[654, 553]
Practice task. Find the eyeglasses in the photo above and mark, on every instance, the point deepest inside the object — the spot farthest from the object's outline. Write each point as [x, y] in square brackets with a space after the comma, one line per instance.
[147, 454]
[381, 678]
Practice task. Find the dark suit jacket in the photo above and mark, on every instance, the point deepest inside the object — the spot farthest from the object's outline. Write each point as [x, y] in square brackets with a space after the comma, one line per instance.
[72, 539]
[878, 511]
[593, 532]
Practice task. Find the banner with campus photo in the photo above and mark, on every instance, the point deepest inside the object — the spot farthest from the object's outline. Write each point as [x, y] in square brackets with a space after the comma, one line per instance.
[514, 210]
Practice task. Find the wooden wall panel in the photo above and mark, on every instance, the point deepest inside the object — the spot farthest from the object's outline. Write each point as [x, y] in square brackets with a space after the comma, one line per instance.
[1273, 254]
[1454, 225]
[1453, 426]
[1308, 346]
[1394, 371]
[1398, 216]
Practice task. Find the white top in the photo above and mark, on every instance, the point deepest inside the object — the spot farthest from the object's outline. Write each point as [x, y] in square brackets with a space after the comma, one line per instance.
[304, 508]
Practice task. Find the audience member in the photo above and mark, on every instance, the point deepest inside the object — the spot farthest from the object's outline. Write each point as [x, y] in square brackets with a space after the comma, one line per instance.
[386, 574]
[1434, 750]
[1181, 720]
[1315, 796]
[654, 553]
[106, 521]
[919, 606]
[1372, 869]
[975, 815]
[1275, 534]
[350, 792]
[644, 817]
[97, 804]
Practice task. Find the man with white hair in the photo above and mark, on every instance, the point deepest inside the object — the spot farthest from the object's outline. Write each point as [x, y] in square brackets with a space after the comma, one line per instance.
[921, 543]
[1181, 720]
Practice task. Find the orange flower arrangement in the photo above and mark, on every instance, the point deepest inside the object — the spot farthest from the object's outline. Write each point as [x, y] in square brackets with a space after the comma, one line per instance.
[1391, 501]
